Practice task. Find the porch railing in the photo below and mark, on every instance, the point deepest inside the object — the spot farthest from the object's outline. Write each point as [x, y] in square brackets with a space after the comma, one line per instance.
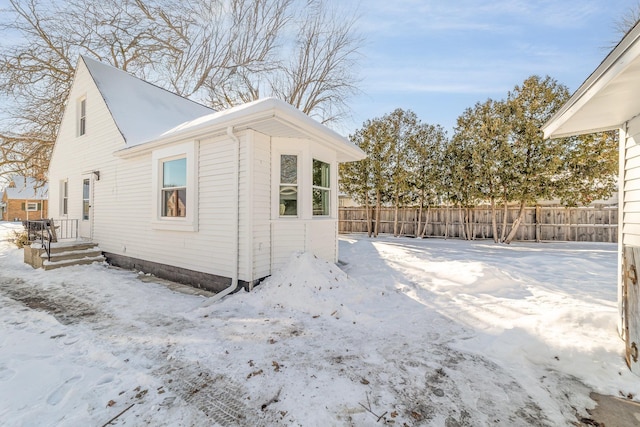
[46, 231]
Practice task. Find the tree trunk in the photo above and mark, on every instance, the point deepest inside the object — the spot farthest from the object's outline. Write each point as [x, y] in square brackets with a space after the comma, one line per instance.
[446, 223]
[461, 220]
[494, 225]
[377, 226]
[367, 213]
[516, 223]
[504, 218]
[426, 223]
[395, 217]
[420, 212]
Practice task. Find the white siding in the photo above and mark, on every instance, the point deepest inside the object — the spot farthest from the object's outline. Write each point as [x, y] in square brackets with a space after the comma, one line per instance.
[317, 235]
[261, 205]
[630, 197]
[123, 224]
[74, 155]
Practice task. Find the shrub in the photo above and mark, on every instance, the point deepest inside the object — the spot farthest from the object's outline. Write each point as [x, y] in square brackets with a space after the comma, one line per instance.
[20, 238]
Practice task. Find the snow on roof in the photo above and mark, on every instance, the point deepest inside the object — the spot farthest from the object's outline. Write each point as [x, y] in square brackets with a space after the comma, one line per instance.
[141, 110]
[26, 189]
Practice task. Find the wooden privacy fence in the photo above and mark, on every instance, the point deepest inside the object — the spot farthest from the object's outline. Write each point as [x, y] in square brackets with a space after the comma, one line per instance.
[540, 223]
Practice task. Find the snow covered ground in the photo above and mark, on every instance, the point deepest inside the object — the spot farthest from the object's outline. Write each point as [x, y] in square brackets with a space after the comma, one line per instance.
[406, 332]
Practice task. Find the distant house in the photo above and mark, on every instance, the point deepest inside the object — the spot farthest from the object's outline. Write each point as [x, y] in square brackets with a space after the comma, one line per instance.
[23, 199]
[608, 100]
[171, 187]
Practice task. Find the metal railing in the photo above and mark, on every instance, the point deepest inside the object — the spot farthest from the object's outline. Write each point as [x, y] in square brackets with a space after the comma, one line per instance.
[39, 231]
[46, 231]
[65, 228]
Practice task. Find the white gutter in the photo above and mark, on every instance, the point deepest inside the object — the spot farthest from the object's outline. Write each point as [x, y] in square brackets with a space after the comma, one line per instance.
[236, 223]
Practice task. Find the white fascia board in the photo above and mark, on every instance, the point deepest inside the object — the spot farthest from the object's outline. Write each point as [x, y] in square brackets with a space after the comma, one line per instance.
[614, 63]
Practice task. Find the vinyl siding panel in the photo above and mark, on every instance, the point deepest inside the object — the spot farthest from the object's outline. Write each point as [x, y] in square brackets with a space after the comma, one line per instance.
[323, 235]
[631, 185]
[288, 236]
[261, 206]
[75, 155]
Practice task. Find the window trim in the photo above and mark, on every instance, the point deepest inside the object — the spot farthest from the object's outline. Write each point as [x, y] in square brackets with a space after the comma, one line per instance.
[82, 115]
[296, 185]
[31, 207]
[64, 197]
[85, 212]
[189, 222]
[163, 189]
[318, 187]
[276, 154]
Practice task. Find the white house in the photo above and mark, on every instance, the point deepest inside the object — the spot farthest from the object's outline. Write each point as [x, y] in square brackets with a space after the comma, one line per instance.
[608, 100]
[171, 187]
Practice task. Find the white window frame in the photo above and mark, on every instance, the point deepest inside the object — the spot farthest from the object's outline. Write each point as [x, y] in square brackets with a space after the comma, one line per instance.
[82, 116]
[64, 197]
[31, 207]
[318, 187]
[275, 183]
[296, 185]
[189, 222]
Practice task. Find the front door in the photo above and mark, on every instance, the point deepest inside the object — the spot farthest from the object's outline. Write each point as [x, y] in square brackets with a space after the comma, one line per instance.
[86, 220]
[631, 305]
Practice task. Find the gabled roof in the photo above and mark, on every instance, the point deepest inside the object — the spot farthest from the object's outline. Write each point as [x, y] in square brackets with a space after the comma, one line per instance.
[140, 110]
[146, 115]
[26, 189]
[609, 96]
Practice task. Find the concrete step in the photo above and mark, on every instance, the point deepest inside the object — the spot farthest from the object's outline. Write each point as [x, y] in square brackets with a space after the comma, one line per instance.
[65, 254]
[74, 254]
[50, 265]
[72, 246]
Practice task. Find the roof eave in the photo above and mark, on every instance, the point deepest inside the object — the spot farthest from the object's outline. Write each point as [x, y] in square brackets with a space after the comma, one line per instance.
[616, 61]
[269, 109]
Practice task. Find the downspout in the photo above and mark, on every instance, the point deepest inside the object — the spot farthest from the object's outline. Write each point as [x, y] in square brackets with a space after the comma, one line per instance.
[236, 223]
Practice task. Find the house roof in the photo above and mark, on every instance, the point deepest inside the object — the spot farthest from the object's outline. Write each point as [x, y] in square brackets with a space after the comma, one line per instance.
[26, 189]
[147, 115]
[609, 96]
[140, 110]
[273, 117]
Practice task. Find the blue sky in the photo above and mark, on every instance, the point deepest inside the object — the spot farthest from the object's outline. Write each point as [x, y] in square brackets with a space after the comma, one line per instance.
[438, 57]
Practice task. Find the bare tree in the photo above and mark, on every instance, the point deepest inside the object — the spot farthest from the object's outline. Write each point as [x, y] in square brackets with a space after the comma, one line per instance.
[221, 53]
[625, 22]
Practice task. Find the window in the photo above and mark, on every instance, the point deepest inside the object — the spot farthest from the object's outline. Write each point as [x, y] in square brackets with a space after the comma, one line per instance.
[32, 206]
[86, 193]
[64, 193]
[82, 116]
[321, 187]
[174, 188]
[288, 185]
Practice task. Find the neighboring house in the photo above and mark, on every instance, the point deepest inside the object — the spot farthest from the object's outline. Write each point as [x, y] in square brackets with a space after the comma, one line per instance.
[170, 187]
[610, 99]
[23, 199]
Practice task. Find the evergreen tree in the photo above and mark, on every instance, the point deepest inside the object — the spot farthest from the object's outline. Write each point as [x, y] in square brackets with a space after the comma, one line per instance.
[537, 163]
[425, 155]
[482, 138]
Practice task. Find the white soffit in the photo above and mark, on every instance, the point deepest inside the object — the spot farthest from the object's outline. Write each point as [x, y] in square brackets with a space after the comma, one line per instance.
[608, 98]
